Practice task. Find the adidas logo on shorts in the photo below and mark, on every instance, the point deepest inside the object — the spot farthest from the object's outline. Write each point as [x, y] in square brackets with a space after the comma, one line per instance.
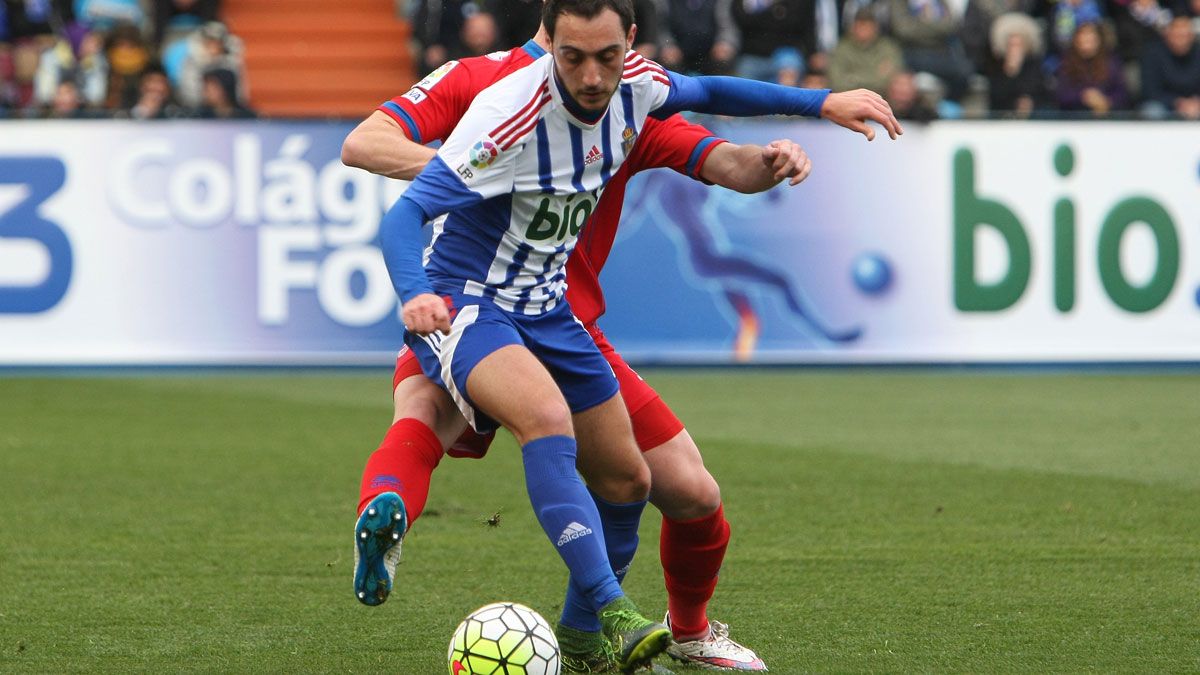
[573, 532]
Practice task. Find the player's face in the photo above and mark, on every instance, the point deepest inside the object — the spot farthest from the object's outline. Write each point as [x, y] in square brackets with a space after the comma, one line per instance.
[589, 56]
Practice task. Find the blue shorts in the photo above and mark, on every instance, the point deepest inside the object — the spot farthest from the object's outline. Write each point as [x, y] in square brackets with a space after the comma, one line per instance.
[478, 327]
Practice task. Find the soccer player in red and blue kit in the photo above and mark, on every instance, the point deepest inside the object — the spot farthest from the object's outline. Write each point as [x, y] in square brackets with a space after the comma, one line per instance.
[695, 532]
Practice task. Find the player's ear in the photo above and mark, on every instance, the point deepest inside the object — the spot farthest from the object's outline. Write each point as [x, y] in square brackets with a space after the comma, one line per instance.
[629, 38]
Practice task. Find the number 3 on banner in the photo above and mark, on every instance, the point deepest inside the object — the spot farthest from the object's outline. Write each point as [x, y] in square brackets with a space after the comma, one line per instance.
[42, 177]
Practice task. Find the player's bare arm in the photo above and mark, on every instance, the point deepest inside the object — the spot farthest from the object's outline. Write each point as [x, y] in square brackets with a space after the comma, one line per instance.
[755, 168]
[853, 109]
[379, 145]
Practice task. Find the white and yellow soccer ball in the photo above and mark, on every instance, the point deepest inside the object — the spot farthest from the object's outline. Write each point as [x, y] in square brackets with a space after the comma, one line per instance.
[504, 638]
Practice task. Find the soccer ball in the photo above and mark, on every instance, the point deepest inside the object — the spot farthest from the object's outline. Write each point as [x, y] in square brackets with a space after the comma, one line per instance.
[504, 638]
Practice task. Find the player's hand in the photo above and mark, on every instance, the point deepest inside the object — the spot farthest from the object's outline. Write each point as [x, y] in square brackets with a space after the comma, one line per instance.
[787, 160]
[853, 109]
[426, 313]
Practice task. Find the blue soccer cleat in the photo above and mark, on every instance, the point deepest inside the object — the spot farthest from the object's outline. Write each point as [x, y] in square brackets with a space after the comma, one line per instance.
[377, 538]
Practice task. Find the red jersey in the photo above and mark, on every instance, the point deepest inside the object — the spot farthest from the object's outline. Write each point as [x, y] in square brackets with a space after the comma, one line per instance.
[434, 106]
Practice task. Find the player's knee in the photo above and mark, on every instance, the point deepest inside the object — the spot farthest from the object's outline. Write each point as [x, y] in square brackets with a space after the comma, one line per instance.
[543, 418]
[687, 496]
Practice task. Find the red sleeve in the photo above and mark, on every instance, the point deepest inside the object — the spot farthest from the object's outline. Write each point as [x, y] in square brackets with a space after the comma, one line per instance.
[432, 108]
[673, 143]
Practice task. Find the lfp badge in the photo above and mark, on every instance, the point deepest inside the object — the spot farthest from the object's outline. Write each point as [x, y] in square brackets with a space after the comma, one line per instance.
[483, 154]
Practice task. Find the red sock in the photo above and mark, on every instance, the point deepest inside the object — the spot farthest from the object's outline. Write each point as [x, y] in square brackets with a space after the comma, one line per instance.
[403, 464]
[692, 552]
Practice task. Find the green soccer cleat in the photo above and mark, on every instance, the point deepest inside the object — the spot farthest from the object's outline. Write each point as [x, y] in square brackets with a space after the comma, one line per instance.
[636, 639]
[584, 652]
[378, 535]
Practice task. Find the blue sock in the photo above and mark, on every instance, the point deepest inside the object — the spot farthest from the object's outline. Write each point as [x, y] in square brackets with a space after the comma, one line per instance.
[621, 541]
[569, 517]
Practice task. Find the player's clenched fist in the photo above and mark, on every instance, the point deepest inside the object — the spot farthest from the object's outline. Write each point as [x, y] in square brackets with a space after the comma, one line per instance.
[426, 313]
[786, 160]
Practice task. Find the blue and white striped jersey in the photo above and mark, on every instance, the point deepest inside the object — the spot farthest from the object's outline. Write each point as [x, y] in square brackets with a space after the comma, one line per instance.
[519, 177]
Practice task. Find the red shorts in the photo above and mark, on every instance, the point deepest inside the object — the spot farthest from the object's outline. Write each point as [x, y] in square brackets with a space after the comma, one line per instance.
[653, 422]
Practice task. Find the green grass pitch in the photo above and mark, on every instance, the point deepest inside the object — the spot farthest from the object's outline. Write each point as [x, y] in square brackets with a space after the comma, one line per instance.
[893, 521]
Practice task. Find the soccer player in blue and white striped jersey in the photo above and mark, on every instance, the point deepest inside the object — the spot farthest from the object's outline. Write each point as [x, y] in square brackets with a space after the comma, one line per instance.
[520, 175]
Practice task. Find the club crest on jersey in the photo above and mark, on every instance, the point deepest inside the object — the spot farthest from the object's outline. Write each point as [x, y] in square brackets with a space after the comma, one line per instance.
[483, 154]
[628, 138]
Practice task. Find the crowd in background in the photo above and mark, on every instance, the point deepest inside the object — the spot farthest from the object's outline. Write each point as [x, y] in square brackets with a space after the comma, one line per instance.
[139, 59]
[148, 59]
[929, 58]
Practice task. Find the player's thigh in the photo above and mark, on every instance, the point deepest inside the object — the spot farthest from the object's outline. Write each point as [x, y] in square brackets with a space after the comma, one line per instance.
[681, 486]
[513, 387]
[608, 458]
[415, 396]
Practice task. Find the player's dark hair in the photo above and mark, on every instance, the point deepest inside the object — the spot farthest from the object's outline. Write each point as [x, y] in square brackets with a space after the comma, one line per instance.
[586, 9]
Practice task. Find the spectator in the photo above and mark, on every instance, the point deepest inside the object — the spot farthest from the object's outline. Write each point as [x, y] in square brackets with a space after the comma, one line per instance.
[926, 31]
[1138, 24]
[221, 97]
[208, 48]
[25, 25]
[1016, 83]
[1171, 73]
[175, 19]
[827, 32]
[977, 27]
[780, 33]
[128, 57]
[1090, 78]
[66, 103]
[437, 29]
[1063, 17]
[907, 101]
[87, 66]
[864, 59]
[155, 101]
[699, 37]
[479, 34]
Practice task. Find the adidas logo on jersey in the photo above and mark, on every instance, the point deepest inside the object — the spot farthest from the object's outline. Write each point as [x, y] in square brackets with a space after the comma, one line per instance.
[573, 532]
[594, 155]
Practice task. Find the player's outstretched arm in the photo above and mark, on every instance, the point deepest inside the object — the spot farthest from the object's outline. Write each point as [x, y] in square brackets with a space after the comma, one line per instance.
[738, 97]
[380, 146]
[756, 168]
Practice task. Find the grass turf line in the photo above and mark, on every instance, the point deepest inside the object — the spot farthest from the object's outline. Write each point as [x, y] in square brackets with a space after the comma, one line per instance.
[894, 522]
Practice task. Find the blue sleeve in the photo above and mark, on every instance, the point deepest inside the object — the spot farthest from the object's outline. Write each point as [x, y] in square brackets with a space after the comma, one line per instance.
[402, 245]
[738, 97]
[435, 191]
